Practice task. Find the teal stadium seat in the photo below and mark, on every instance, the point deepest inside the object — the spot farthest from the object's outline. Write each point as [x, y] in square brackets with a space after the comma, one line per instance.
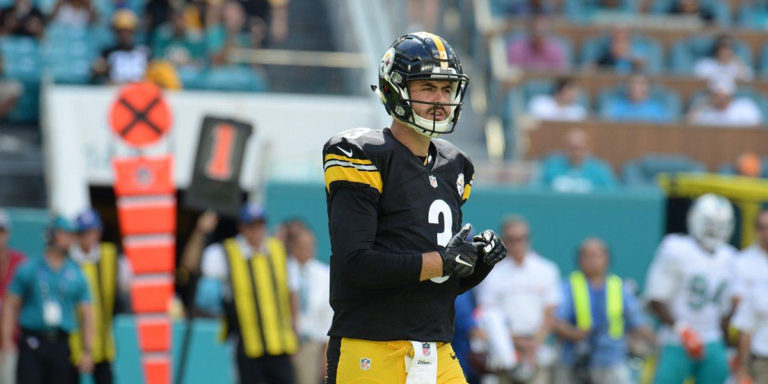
[23, 62]
[68, 54]
[685, 52]
[191, 77]
[584, 10]
[764, 61]
[665, 96]
[504, 8]
[644, 46]
[719, 8]
[642, 172]
[234, 78]
[753, 15]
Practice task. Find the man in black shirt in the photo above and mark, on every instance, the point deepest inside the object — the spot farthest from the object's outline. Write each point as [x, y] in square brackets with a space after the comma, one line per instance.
[394, 198]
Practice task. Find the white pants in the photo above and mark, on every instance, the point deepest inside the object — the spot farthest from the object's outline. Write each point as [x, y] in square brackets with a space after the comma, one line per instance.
[8, 369]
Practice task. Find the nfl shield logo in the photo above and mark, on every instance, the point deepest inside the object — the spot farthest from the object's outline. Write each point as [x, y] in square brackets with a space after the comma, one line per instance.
[365, 364]
[425, 349]
[433, 181]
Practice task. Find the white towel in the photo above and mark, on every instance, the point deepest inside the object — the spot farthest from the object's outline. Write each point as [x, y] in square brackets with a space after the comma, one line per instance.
[422, 367]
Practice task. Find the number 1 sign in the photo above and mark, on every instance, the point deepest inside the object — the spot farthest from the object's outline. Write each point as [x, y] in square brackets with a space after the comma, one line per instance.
[218, 162]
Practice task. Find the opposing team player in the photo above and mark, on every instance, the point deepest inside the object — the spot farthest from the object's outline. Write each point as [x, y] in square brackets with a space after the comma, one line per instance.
[688, 289]
[394, 205]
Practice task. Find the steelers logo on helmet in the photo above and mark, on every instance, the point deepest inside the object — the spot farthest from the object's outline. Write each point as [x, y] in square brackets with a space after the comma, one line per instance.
[421, 56]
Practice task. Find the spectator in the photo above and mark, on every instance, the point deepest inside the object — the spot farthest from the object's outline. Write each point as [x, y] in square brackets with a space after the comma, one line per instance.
[229, 32]
[751, 317]
[723, 64]
[721, 108]
[619, 54]
[524, 280]
[49, 298]
[636, 104]
[10, 260]
[537, 50]
[598, 311]
[234, 272]
[748, 164]
[314, 315]
[108, 277]
[10, 91]
[274, 14]
[562, 105]
[692, 8]
[576, 170]
[22, 19]
[178, 44]
[74, 13]
[126, 61]
[156, 14]
[467, 332]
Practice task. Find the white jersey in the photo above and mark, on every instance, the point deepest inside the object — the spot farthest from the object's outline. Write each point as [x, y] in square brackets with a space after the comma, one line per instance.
[693, 283]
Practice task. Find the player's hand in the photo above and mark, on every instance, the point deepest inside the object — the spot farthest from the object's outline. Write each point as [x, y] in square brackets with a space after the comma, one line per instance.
[207, 222]
[691, 341]
[493, 249]
[460, 256]
[86, 363]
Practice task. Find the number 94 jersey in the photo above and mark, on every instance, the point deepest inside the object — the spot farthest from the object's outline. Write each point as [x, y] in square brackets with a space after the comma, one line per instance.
[401, 206]
[695, 285]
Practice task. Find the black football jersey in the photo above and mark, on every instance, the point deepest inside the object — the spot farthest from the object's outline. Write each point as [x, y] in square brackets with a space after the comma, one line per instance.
[386, 207]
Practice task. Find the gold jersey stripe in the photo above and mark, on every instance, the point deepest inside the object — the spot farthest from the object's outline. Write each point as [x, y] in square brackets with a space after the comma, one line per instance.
[467, 191]
[332, 156]
[354, 175]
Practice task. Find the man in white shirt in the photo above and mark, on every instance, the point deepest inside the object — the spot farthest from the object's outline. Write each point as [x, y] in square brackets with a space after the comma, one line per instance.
[752, 314]
[562, 105]
[689, 290]
[315, 314]
[721, 108]
[524, 287]
[723, 64]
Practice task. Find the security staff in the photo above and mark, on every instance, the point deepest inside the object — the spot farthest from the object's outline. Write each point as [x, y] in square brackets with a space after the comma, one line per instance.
[46, 296]
[247, 277]
[103, 269]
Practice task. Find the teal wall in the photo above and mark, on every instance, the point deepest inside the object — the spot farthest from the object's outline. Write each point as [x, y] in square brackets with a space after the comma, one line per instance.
[632, 222]
[27, 227]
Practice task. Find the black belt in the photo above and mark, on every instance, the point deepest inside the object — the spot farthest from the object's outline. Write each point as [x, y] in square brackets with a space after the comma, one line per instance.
[50, 336]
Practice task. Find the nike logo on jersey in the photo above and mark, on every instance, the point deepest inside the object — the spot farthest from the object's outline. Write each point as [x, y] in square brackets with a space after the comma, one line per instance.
[460, 261]
[346, 152]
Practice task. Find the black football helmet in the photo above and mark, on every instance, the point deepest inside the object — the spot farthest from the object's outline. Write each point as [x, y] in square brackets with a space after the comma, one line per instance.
[420, 56]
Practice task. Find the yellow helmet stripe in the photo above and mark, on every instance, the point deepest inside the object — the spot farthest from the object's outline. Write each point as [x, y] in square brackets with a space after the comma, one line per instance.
[440, 49]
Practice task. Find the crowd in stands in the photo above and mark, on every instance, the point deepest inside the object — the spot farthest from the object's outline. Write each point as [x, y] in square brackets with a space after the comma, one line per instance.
[172, 43]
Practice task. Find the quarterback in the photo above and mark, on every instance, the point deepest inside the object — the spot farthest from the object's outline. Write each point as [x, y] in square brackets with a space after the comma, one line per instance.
[399, 253]
[688, 290]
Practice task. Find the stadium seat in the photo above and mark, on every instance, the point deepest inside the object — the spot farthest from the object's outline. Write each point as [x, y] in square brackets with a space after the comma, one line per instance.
[665, 96]
[753, 15]
[22, 58]
[720, 9]
[763, 69]
[644, 46]
[643, 172]
[28, 106]
[685, 52]
[584, 10]
[191, 77]
[506, 8]
[234, 78]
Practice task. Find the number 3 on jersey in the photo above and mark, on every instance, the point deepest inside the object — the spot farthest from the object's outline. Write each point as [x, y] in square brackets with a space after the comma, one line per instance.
[437, 209]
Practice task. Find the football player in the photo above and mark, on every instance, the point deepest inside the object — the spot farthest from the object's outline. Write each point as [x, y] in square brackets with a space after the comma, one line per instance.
[399, 253]
[688, 290]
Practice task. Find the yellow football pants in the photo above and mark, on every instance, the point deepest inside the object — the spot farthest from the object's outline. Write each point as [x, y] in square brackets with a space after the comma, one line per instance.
[354, 361]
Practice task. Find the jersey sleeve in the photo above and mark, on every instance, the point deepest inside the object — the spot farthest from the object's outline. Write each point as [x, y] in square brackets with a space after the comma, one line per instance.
[353, 187]
[663, 275]
[346, 165]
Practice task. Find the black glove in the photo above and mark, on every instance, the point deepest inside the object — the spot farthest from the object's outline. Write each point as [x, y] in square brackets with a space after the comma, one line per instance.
[460, 255]
[493, 249]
